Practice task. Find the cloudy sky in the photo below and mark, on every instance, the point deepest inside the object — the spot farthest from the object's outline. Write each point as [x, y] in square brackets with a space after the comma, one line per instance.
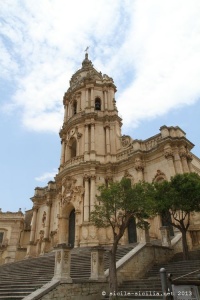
[150, 48]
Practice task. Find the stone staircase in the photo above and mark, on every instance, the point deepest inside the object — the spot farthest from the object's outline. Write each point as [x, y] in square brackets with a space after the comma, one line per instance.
[81, 260]
[151, 282]
[21, 278]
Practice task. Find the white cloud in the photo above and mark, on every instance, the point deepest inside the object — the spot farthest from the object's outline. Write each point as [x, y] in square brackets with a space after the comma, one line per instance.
[165, 48]
[47, 176]
[150, 48]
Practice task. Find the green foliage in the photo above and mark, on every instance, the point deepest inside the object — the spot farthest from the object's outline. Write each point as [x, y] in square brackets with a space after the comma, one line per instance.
[181, 195]
[119, 202]
[176, 199]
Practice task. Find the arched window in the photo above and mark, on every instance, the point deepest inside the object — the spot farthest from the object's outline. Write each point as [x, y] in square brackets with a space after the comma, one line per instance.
[73, 149]
[75, 108]
[97, 104]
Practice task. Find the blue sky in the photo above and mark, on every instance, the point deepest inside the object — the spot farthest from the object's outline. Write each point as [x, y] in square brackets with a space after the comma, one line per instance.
[150, 48]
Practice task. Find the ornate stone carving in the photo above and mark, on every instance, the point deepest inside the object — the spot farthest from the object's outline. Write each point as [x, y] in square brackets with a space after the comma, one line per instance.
[125, 140]
[92, 232]
[79, 135]
[49, 202]
[66, 257]
[189, 157]
[127, 174]
[70, 191]
[68, 182]
[93, 177]
[84, 233]
[139, 165]
[169, 154]
[44, 217]
[159, 176]
[59, 256]
[86, 177]
[184, 154]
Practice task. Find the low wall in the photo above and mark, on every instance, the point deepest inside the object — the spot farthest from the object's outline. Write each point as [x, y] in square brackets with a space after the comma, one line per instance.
[77, 291]
[142, 261]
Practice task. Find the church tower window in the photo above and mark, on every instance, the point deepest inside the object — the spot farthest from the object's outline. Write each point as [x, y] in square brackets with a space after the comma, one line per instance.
[75, 107]
[1, 237]
[97, 104]
[73, 147]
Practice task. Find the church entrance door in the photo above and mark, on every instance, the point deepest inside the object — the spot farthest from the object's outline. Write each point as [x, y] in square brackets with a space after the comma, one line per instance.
[132, 233]
[71, 228]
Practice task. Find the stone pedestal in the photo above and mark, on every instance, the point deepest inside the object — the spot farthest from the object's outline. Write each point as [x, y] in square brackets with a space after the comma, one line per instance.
[62, 263]
[97, 264]
[144, 235]
[165, 236]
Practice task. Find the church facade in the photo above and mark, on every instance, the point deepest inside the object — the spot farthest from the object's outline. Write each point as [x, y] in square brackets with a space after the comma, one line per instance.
[94, 152]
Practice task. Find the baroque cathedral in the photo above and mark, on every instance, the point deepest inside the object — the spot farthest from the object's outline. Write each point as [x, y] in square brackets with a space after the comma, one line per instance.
[94, 152]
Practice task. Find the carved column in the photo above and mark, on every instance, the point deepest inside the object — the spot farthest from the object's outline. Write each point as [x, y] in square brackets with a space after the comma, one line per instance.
[165, 236]
[92, 97]
[92, 192]
[97, 264]
[143, 235]
[77, 228]
[139, 166]
[105, 99]
[86, 138]
[33, 225]
[62, 159]
[66, 113]
[107, 127]
[184, 156]
[92, 137]
[86, 199]
[86, 98]
[62, 264]
[190, 162]
[66, 152]
[170, 159]
[177, 161]
[62, 237]
[47, 222]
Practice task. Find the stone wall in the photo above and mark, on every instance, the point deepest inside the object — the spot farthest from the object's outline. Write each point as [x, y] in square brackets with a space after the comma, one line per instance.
[78, 291]
[142, 261]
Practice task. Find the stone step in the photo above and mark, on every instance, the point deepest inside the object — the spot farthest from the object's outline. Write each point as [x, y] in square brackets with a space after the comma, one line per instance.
[20, 278]
[151, 281]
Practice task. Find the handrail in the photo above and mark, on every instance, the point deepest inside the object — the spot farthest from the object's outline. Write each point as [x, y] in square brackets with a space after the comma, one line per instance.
[185, 275]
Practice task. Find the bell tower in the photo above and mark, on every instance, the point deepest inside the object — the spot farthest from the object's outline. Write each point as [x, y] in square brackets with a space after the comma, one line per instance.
[90, 138]
[92, 128]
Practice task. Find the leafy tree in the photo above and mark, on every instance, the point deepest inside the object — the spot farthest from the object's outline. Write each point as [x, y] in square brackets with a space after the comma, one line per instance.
[118, 203]
[176, 200]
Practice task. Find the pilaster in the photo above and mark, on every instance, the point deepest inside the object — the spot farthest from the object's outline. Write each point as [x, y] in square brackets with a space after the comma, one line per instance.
[139, 166]
[62, 264]
[86, 198]
[169, 155]
[165, 236]
[97, 264]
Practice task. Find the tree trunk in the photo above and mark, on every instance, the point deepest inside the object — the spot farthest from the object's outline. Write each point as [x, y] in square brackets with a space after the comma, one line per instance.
[184, 244]
[113, 272]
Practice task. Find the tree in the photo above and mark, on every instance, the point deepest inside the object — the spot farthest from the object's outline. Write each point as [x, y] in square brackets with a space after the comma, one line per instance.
[118, 203]
[176, 200]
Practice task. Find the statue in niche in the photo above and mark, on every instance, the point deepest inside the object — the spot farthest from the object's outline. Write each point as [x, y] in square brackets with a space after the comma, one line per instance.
[44, 217]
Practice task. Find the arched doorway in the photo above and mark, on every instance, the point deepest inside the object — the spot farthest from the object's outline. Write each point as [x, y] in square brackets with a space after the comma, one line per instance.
[132, 232]
[71, 237]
